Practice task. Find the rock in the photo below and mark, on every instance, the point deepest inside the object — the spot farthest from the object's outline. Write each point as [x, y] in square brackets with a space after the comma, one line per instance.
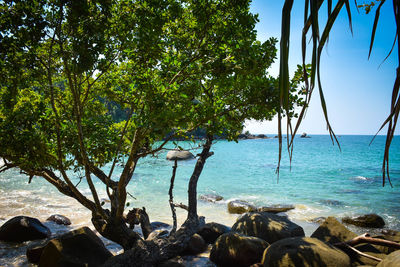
[179, 155]
[59, 219]
[390, 235]
[188, 261]
[332, 231]
[392, 260]
[196, 245]
[267, 226]
[157, 225]
[303, 135]
[240, 206]
[23, 228]
[80, 247]
[368, 220]
[158, 233]
[211, 231]
[305, 252]
[318, 220]
[211, 197]
[34, 252]
[233, 249]
[331, 202]
[276, 208]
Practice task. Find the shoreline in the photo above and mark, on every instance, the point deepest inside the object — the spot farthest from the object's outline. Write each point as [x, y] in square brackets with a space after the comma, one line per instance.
[15, 254]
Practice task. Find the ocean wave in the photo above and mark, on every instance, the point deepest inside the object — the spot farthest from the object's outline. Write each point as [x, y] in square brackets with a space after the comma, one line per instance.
[361, 178]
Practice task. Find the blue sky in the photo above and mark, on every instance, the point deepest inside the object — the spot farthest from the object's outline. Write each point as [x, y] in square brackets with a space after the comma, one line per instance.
[357, 90]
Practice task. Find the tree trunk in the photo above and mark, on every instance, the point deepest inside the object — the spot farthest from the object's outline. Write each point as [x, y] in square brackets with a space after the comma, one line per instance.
[192, 189]
[117, 231]
[152, 252]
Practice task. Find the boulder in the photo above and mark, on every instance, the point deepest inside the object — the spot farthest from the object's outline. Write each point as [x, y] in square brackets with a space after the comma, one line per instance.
[157, 225]
[211, 231]
[59, 219]
[211, 197]
[267, 226]
[305, 252]
[23, 228]
[392, 260]
[196, 245]
[80, 247]
[368, 220]
[240, 206]
[390, 235]
[179, 155]
[188, 261]
[33, 252]
[332, 231]
[276, 208]
[233, 249]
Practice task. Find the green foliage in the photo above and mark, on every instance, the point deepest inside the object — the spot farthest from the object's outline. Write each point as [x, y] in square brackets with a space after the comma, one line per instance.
[86, 82]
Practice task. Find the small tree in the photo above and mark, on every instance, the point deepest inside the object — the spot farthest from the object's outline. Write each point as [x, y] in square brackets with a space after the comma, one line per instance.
[169, 67]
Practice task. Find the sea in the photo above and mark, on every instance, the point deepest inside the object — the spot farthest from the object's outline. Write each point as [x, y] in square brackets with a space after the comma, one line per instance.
[321, 180]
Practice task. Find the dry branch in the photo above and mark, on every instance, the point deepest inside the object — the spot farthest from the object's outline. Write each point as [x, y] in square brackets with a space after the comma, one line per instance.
[366, 238]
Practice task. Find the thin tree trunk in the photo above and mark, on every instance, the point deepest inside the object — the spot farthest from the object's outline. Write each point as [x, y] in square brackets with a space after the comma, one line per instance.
[192, 190]
[171, 197]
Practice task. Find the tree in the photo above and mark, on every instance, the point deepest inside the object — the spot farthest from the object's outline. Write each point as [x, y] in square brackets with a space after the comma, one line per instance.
[312, 78]
[169, 66]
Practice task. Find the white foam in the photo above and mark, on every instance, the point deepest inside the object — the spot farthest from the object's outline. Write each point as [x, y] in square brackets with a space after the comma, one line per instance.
[361, 178]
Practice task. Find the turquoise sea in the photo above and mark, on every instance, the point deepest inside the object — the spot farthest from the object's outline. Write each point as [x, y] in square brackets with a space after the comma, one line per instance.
[321, 181]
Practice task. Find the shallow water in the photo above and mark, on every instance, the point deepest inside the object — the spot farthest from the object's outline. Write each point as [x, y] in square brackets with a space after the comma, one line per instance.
[322, 181]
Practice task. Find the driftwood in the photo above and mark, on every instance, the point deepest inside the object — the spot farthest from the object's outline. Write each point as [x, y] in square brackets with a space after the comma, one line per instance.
[181, 205]
[366, 238]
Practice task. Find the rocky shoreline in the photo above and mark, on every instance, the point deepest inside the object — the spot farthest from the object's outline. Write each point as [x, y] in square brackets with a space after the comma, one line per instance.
[261, 236]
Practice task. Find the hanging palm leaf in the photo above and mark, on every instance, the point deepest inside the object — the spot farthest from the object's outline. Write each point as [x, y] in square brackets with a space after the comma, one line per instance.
[311, 12]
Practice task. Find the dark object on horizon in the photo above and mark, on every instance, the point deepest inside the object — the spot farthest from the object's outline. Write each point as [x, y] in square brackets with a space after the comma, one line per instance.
[304, 135]
[81, 247]
[59, 219]
[23, 228]
[368, 220]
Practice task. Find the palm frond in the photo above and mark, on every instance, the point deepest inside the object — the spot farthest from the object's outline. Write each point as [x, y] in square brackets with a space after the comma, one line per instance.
[377, 13]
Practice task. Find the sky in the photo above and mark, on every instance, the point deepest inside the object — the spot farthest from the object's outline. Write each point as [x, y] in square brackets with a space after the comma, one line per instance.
[357, 90]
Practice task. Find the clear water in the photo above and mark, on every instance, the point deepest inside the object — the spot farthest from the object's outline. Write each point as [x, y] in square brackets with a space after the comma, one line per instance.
[322, 181]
